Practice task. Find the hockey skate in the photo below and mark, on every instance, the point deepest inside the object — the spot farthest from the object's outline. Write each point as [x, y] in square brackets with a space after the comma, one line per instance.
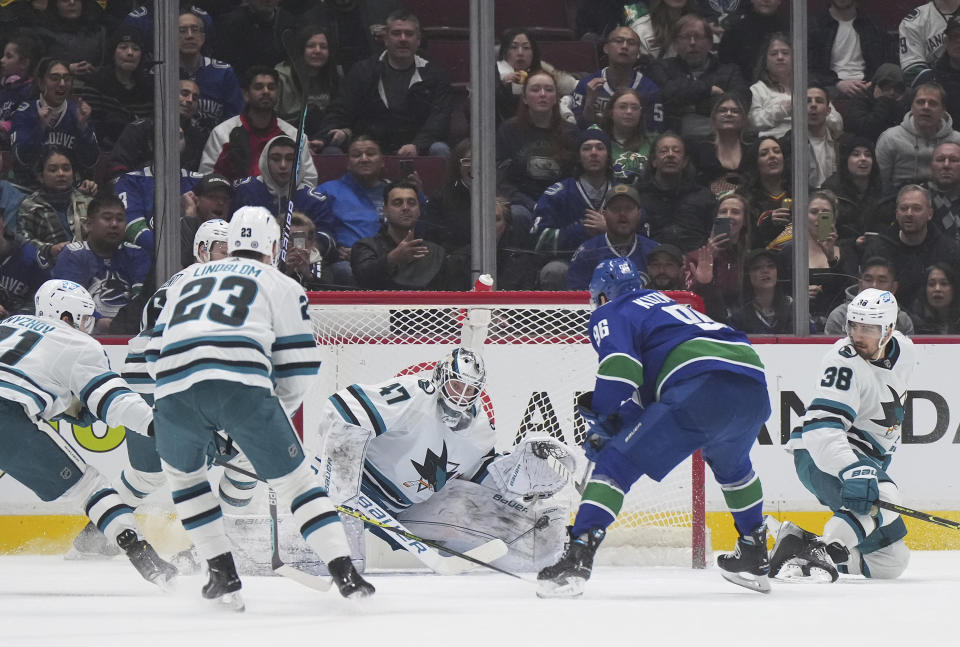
[223, 586]
[748, 565]
[92, 544]
[801, 555]
[187, 562]
[145, 559]
[567, 578]
[348, 580]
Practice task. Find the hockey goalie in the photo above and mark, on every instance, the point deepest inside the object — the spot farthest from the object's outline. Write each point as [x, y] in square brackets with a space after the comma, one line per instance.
[419, 450]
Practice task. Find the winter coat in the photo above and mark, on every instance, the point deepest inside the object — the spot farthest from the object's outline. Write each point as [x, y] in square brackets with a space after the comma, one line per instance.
[911, 261]
[368, 260]
[821, 34]
[837, 320]
[681, 215]
[904, 155]
[687, 95]
[39, 222]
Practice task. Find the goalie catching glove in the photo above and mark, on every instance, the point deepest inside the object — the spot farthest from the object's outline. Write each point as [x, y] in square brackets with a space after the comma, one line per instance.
[600, 428]
[536, 468]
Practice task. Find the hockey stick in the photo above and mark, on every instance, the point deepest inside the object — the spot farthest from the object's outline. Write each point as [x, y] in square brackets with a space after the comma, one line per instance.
[297, 70]
[916, 514]
[422, 549]
[316, 582]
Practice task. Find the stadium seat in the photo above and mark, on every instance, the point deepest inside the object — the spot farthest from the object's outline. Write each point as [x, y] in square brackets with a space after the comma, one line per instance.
[576, 56]
[454, 57]
[329, 167]
[545, 19]
[430, 169]
[442, 19]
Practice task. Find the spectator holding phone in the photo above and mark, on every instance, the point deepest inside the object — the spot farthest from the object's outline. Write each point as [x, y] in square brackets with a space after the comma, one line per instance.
[304, 261]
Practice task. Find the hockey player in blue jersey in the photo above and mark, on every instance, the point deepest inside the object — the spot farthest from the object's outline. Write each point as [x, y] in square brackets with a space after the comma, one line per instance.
[670, 381]
[844, 448]
[52, 369]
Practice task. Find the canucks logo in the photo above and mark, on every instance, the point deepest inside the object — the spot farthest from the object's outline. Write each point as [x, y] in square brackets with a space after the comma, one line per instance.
[892, 412]
[433, 471]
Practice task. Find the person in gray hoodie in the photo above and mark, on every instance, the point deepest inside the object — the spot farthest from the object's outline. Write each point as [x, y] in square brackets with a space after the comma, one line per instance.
[877, 272]
[904, 151]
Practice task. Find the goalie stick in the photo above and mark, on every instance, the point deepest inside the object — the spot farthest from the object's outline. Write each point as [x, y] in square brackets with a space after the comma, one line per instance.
[916, 514]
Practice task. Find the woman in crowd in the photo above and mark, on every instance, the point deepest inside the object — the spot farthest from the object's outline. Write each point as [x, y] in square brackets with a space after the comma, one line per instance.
[766, 308]
[20, 55]
[518, 57]
[74, 32]
[772, 92]
[856, 185]
[720, 161]
[319, 86]
[623, 121]
[534, 148]
[55, 214]
[937, 309]
[768, 190]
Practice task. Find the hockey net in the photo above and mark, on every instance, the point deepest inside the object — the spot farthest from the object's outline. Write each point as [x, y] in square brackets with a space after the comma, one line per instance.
[538, 358]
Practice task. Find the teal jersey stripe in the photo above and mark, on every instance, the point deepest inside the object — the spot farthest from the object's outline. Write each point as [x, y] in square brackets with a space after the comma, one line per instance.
[170, 349]
[19, 389]
[209, 365]
[825, 402]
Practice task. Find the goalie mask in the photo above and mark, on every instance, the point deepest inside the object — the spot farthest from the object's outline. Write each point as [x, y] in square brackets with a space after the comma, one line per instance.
[614, 277]
[874, 307]
[57, 297]
[459, 378]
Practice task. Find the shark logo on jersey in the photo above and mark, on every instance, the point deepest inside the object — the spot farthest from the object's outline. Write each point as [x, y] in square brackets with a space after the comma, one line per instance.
[892, 412]
[433, 471]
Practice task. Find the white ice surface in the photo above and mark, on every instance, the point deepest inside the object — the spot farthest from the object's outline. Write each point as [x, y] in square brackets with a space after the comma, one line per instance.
[48, 601]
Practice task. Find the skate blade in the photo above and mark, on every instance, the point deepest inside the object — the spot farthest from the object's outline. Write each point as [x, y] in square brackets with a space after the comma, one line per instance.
[229, 602]
[571, 588]
[166, 583]
[360, 594]
[758, 583]
[74, 555]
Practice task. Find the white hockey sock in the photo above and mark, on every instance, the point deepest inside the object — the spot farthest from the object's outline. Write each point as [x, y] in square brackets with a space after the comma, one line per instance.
[841, 530]
[134, 486]
[102, 504]
[313, 510]
[235, 489]
[199, 510]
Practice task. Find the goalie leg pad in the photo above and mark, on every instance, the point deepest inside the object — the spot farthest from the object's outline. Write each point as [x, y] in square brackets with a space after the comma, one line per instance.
[313, 510]
[199, 510]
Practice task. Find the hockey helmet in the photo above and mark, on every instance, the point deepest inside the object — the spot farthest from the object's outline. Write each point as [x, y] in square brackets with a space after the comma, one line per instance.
[208, 233]
[460, 378]
[58, 297]
[253, 229]
[874, 307]
[614, 277]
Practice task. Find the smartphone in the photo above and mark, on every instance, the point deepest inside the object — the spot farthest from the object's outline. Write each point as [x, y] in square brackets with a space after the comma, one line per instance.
[721, 226]
[299, 239]
[406, 168]
[825, 224]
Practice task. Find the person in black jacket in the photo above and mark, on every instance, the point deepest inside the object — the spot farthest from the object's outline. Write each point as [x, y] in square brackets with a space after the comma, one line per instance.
[856, 185]
[252, 35]
[744, 40]
[882, 107]
[845, 48]
[401, 99]
[946, 71]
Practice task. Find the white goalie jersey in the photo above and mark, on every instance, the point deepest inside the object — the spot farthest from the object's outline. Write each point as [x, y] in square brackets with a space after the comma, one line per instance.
[858, 406]
[408, 453]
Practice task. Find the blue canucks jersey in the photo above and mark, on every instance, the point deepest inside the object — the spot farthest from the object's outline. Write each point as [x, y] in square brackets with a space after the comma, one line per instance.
[646, 341]
[135, 189]
[253, 192]
[650, 97]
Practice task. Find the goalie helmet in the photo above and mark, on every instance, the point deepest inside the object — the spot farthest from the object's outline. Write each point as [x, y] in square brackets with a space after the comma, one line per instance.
[614, 277]
[253, 229]
[208, 233]
[460, 378]
[874, 307]
[58, 297]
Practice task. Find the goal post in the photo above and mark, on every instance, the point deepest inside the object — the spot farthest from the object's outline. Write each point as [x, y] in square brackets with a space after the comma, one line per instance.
[539, 359]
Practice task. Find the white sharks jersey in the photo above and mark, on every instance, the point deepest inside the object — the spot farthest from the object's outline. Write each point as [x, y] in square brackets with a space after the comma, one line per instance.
[922, 40]
[858, 406]
[44, 363]
[412, 453]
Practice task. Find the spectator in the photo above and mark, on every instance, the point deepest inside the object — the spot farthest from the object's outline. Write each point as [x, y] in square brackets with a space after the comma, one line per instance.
[716, 269]
[845, 49]
[20, 54]
[656, 25]
[72, 31]
[665, 268]
[250, 35]
[358, 27]
[571, 211]
[208, 200]
[904, 151]
[766, 309]
[832, 267]
[915, 245]
[870, 113]
[55, 214]
[517, 264]
[534, 148]
[594, 19]
[318, 87]
[944, 189]
[877, 273]
[946, 71]
[121, 91]
[10, 199]
[743, 41]
[937, 310]
[856, 185]
[692, 81]
[678, 211]
[22, 270]
[593, 92]
[394, 259]
[721, 160]
[519, 55]
[220, 96]
[922, 41]
[111, 270]
[55, 118]
[233, 148]
[141, 18]
[304, 261]
[270, 189]
[822, 137]
[446, 217]
[134, 147]
[767, 189]
[398, 97]
[621, 214]
[630, 145]
[356, 203]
